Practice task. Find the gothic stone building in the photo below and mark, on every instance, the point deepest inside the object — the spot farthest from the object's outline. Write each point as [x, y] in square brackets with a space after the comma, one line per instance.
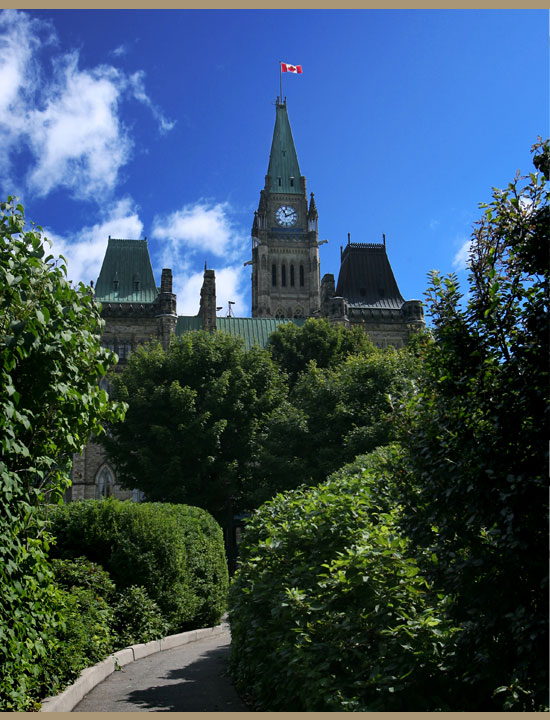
[135, 311]
[286, 287]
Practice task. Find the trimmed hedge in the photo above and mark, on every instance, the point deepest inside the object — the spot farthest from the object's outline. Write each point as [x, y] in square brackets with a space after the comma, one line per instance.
[137, 618]
[94, 621]
[328, 610]
[175, 552]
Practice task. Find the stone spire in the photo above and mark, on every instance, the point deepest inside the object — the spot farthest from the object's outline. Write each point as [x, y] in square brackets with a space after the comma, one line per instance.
[312, 213]
[207, 310]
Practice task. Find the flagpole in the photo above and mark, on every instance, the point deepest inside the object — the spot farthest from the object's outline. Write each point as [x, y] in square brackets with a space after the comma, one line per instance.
[281, 78]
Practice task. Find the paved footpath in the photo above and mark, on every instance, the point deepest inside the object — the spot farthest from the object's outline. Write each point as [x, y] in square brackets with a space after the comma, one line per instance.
[189, 678]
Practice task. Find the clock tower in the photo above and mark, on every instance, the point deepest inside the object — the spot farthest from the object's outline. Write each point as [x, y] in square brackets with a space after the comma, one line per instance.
[285, 245]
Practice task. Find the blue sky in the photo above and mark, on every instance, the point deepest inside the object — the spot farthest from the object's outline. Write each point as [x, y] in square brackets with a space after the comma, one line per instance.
[138, 123]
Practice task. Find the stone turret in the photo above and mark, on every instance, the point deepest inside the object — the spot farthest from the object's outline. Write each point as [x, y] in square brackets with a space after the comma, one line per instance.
[167, 316]
[207, 310]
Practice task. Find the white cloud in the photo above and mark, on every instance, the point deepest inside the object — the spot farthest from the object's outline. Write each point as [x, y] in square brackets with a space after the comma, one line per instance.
[19, 40]
[68, 117]
[16, 48]
[136, 82]
[200, 226]
[204, 229]
[187, 288]
[120, 50]
[231, 283]
[462, 256]
[85, 250]
[78, 140]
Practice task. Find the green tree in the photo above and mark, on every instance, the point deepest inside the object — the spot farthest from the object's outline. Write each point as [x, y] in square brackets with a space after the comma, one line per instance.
[293, 347]
[474, 484]
[333, 414]
[50, 363]
[195, 416]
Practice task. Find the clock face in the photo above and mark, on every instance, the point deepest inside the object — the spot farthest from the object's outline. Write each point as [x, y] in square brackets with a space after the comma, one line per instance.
[286, 216]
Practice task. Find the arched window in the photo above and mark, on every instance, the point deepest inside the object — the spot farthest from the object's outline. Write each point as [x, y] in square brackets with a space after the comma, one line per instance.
[279, 313]
[105, 482]
[298, 313]
[292, 276]
[274, 275]
[283, 276]
[301, 276]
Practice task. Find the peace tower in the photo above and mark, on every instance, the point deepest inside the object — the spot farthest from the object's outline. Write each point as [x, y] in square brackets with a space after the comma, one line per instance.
[285, 246]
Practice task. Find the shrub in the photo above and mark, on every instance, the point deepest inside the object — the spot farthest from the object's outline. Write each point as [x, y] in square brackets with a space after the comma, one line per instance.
[328, 610]
[50, 403]
[30, 607]
[96, 620]
[137, 618]
[83, 635]
[82, 573]
[175, 552]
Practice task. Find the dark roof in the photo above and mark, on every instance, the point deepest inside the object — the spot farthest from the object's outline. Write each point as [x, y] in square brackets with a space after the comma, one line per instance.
[366, 278]
[283, 161]
[126, 274]
[254, 331]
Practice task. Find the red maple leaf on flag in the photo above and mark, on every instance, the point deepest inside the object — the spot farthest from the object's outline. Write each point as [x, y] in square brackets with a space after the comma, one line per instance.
[285, 67]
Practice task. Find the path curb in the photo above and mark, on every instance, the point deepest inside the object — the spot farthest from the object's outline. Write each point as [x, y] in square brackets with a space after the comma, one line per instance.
[92, 676]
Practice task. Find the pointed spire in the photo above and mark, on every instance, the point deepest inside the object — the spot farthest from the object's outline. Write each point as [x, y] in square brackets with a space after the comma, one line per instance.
[312, 212]
[262, 207]
[283, 170]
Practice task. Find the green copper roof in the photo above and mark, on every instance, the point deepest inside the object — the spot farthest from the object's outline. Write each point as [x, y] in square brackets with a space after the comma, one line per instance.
[126, 274]
[186, 323]
[254, 331]
[283, 161]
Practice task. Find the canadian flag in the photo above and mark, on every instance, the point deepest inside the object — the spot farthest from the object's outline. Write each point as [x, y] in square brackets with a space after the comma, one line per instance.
[291, 68]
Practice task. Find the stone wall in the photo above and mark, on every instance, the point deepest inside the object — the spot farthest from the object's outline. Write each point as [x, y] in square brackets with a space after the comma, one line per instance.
[93, 477]
[126, 327]
[385, 327]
